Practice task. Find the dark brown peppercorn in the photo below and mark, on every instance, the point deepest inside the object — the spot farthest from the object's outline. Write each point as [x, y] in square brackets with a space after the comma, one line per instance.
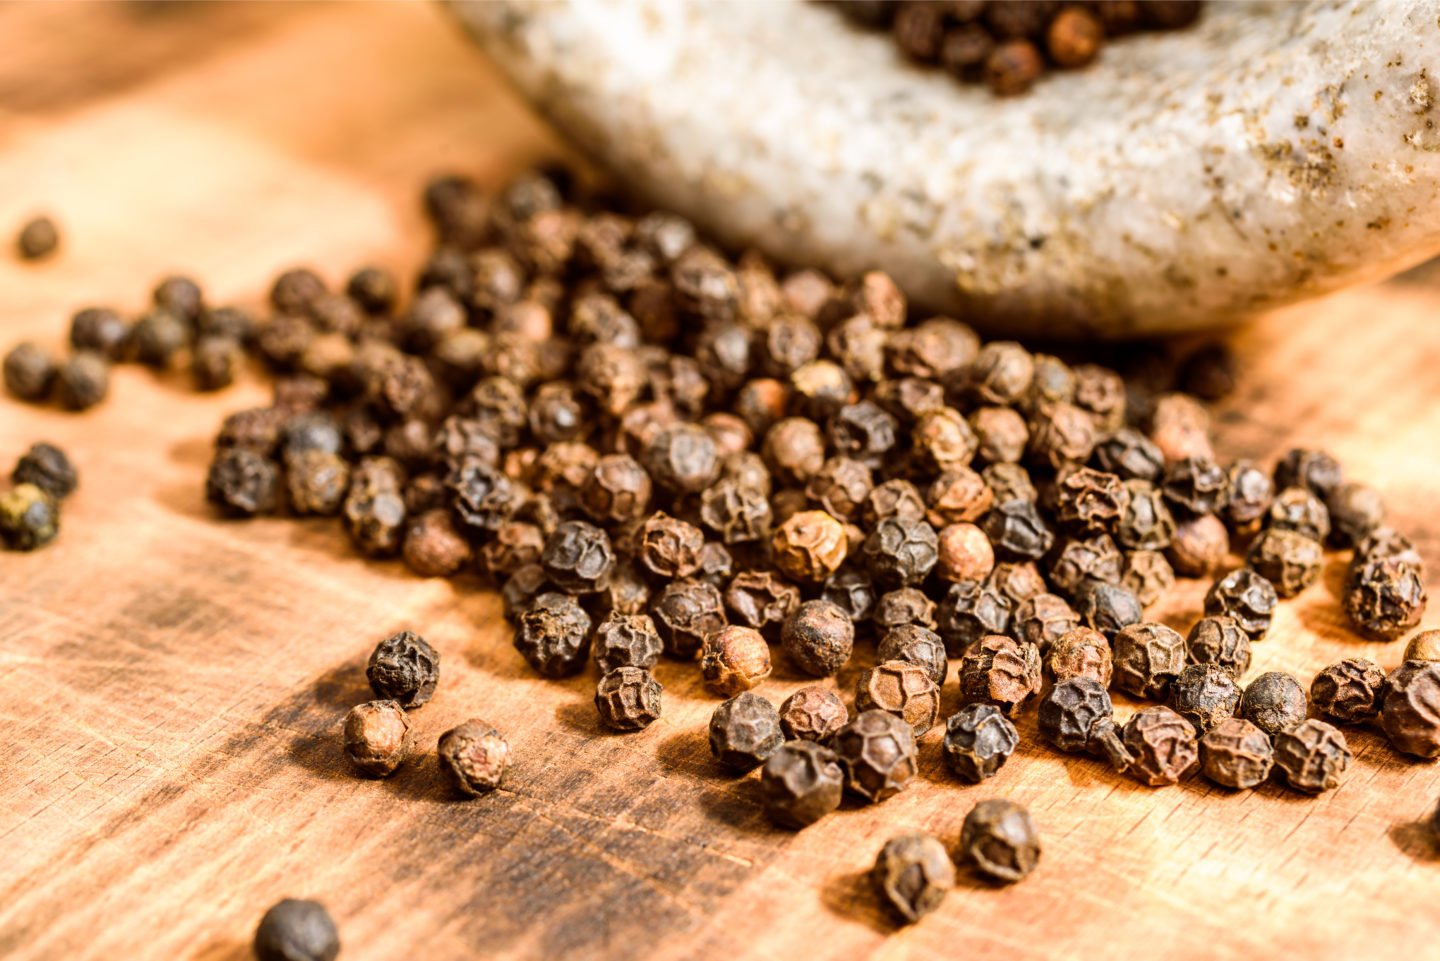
[1147, 658]
[1043, 619]
[794, 450]
[894, 498]
[1163, 744]
[473, 757]
[761, 599]
[1385, 543]
[734, 659]
[813, 714]
[840, 486]
[818, 637]
[1180, 428]
[918, 29]
[969, 612]
[433, 547]
[1017, 531]
[374, 507]
[1013, 67]
[1236, 754]
[908, 605]
[1109, 608]
[38, 238]
[1019, 581]
[1302, 511]
[903, 689]
[1077, 716]
[1148, 575]
[102, 330]
[1274, 702]
[913, 872]
[628, 699]
[29, 518]
[626, 640]
[1251, 494]
[158, 338]
[295, 289]
[404, 668]
[744, 732]
[1145, 521]
[1311, 756]
[578, 557]
[866, 433]
[373, 288]
[916, 645]
[877, 752]
[241, 483]
[1080, 563]
[1131, 455]
[1205, 695]
[1001, 671]
[1384, 597]
[811, 545]
[1290, 561]
[1199, 546]
[683, 459]
[1082, 652]
[316, 482]
[553, 635]
[963, 554]
[685, 612]
[1349, 691]
[48, 468]
[1219, 641]
[29, 372]
[738, 512]
[1196, 485]
[1410, 712]
[377, 737]
[1060, 435]
[979, 739]
[482, 497]
[1000, 840]
[669, 547]
[801, 783]
[958, 496]
[1245, 596]
[82, 381]
[1312, 469]
[295, 930]
[965, 49]
[1090, 502]
[1355, 511]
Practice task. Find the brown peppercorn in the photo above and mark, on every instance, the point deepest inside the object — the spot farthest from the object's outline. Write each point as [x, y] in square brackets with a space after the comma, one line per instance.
[1130, 455]
[1180, 428]
[1074, 37]
[913, 871]
[578, 557]
[761, 600]
[1251, 494]
[864, 432]
[626, 640]
[1312, 469]
[965, 49]
[813, 714]
[241, 483]
[908, 605]
[1148, 575]
[1274, 702]
[474, 757]
[1384, 597]
[101, 330]
[1199, 546]
[82, 381]
[964, 554]
[744, 732]
[1384, 543]
[1044, 619]
[1410, 711]
[918, 29]
[433, 547]
[37, 239]
[958, 496]
[810, 546]
[1424, 646]
[482, 497]
[1236, 754]
[942, 440]
[1219, 641]
[669, 547]
[685, 612]
[1245, 596]
[840, 486]
[738, 512]
[1082, 652]
[818, 637]
[979, 739]
[970, 611]
[1060, 435]
[377, 737]
[1000, 374]
[617, 490]
[853, 592]
[1091, 502]
[1145, 521]
[1205, 695]
[1288, 560]
[1147, 657]
[1355, 511]
[48, 468]
[801, 783]
[1000, 840]
[29, 371]
[1001, 434]
[734, 659]
[1163, 744]
[1311, 756]
[794, 449]
[877, 752]
[683, 459]
[628, 698]
[374, 507]
[1302, 511]
[553, 635]
[515, 544]
[1195, 486]
[1077, 715]
[1082, 562]
[916, 645]
[1108, 608]
[903, 689]
[1349, 691]
[1018, 580]
[1017, 531]
[1002, 671]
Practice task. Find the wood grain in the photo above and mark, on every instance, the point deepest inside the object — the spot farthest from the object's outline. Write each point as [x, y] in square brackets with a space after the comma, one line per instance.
[171, 685]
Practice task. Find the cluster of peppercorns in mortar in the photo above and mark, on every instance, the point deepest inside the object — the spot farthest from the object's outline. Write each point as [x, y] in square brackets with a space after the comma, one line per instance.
[1010, 44]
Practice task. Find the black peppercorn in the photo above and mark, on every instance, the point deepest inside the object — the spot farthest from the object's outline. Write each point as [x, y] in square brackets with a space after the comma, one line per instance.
[1077, 715]
[1163, 744]
[913, 872]
[1410, 711]
[801, 783]
[1245, 596]
[813, 714]
[1349, 691]
[316, 482]
[979, 739]
[1196, 485]
[1043, 619]
[1131, 455]
[29, 371]
[908, 605]
[1236, 754]
[1219, 641]
[744, 732]
[916, 645]
[818, 637]
[48, 468]
[1109, 608]
[970, 611]
[1002, 671]
[38, 238]
[626, 640]
[628, 698]
[554, 635]
[1384, 597]
[1251, 494]
[1000, 840]
[1147, 658]
[377, 737]
[1312, 469]
[1311, 756]
[578, 557]
[296, 930]
[1300, 510]
[473, 757]
[405, 669]
[903, 689]
[82, 381]
[1079, 563]
[1017, 530]
[374, 508]
[1061, 434]
[1205, 695]
[685, 612]
[1287, 559]
[1274, 702]
[877, 752]
[241, 483]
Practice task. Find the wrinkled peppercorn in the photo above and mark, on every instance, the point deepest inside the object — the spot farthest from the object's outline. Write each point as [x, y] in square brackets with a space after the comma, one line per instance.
[1163, 745]
[903, 689]
[1384, 597]
[1089, 501]
[1109, 608]
[1081, 652]
[979, 739]
[1148, 575]
[295, 930]
[734, 659]
[1077, 716]
[1145, 522]
[1287, 559]
[617, 490]
[29, 518]
[1000, 840]
[29, 371]
[685, 612]
[969, 612]
[1010, 482]
[1349, 691]
[1236, 754]
[1079, 563]
[1356, 510]
[404, 668]
[1302, 511]
[877, 751]
[1017, 530]
[916, 645]
[901, 552]
[473, 757]
[810, 546]
[1311, 756]
[1251, 494]
[913, 871]
[1274, 702]
[669, 547]
[241, 483]
[1196, 485]
[818, 637]
[744, 732]
[1002, 671]
[1043, 619]
[1312, 469]
[1410, 710]
[377, 737]
[553, 635]
[1147, 657]
[801, 783]
[1246, 597]
[578, 557]
[1219, 641]
[1131, 455]
[963, 554]
[812, 714]
[433, 547]
[374, 509]
[102, 330]
[628, 698]
[908, 605]
[1205, 695]
[626, 640]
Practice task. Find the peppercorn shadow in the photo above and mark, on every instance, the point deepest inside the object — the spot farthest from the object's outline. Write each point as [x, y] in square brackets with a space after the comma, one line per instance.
[741, 806]
[343, 686]
[1329, 618]
[223, 949]
[1416, 840]
[851, 897]
[321, 754]
[687, 755]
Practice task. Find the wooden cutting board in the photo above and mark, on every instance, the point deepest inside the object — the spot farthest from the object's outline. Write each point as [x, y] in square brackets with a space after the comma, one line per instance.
[172, 684]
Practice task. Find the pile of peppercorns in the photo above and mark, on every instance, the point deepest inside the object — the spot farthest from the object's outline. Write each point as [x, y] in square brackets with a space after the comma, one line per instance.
[1009, 44]
[30, 509]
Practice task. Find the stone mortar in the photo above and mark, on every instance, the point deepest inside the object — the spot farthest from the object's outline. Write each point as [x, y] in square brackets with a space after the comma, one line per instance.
[1276, 151]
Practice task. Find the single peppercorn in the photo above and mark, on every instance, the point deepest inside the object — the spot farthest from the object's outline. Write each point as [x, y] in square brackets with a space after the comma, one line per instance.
[970, 611]
[1147, 657]
[1109, 608]
[1219, 641]
[979, 739]
[761, 599]
[241, 483]
[1145, 521]
[1010, 482]
[685, 612]
[1077, 716]
[1251, 494]
[374, 508]
[29, 518]
[1246, 597]
[1130, 455]
[1148, 575]
[908, 605]
[1205, 695]
[433, 547]
[1311, 469]
[48, 468]
[1384, 597]
[801, 783]
[82, 381]
[1300, 510]
[1287, 559]
[818, 637]
[554, 635]
[901, 552]
[812, 714]
[628, 699]
[1274, 702]
[473, 757]
[913, 871]
[38, 238]
[1410, 710]
[626, 640]
[295, 930]
[316, 482]
[1355, 511]
[1082, 652]
[1196, 486]
[1199, 546]
[1017, 530]
[1089, 501]
[669, 547]
[1349, 691]
[1002, 671]
[1061, 435]
[877, 752]
[810, 546]
[734, 659]
[1384, 543]
[377, 737]
[1236, 754]
[405, 669]
[1000, 840]
[903, 689]
[744, 732]
[578, 557]
[1079, 563]
[1311, 756]
[916, 645]
[29, 372]
[1163, 744]
[1043, 619]
[1424, 646]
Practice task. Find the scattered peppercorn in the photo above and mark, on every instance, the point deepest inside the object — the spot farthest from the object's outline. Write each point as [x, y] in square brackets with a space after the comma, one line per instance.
[1311, 756]
[1147, 658]
[1246, 597]
[1236, 754]
[1077, 716]
[82, 381]
[1221, 642]
[1384, 597]
[903, 689]
[1287, 559]
[744, 732]
[295, 930]
[734, 659]
[48, 468]
[1410, 709]
[1424, 646]
[1274, 702]
[628, 698]
[1349, 691]
[474, 757]
[913, 873]
[979, 739]
[818, 637]
[1001, 671]
[801, 783]
[1163, 745]
[877, 752]
[1205, 695]
[405, 669]
[1000, 840]
[38, 238]
[553, 635]
[377, 737]
[29, 518]
[30, 372]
